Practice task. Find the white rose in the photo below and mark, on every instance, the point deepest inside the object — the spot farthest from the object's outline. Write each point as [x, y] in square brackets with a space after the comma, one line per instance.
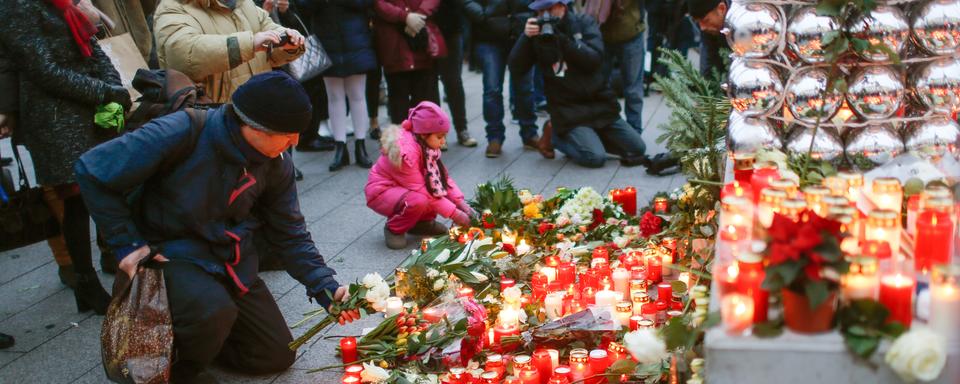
[371, 280]
[373, 374]
[431, 273]
[439, 284]
[919, 354]
[377, 296]
[645, 346]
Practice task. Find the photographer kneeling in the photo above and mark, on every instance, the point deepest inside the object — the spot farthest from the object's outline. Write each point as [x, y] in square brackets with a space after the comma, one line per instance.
[584, 111]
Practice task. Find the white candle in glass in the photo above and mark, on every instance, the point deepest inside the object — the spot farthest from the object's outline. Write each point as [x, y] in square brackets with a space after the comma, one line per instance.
[621, 280]
[553, 305]
[394, 306]
[945, 301]
[606, 298]
[554, 358]
[550, 272]
[523, 248]
[862, 281]
[508, 317]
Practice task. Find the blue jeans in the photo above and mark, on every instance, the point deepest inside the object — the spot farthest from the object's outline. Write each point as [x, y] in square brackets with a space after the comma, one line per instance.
[493, 62]
[631, 55]
[588, 147]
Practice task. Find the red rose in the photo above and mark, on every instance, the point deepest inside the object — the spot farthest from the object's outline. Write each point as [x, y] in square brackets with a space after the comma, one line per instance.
[597, 219]
[650, 224]
[544, 227]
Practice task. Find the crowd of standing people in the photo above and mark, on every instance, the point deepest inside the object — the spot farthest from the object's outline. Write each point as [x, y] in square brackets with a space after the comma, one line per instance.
[569, 57]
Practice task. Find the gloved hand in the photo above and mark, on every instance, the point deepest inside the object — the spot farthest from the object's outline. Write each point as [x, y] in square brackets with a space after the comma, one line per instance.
[416, 21]
[460, 218]
[119, 95]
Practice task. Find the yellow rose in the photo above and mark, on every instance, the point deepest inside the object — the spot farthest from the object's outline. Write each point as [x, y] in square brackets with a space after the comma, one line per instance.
[532, 211]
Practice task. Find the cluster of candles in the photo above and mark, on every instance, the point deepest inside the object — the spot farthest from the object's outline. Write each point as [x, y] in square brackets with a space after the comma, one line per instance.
[543, 366]
[627, 198]
[876, 241]
[565, 288]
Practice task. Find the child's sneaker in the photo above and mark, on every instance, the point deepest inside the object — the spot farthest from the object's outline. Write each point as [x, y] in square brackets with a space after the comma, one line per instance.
[393, 240]
[428, 228]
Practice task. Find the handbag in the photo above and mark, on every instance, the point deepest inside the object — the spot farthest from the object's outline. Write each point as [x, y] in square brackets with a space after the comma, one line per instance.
[314, 60]
[136, 340]
[25, 217]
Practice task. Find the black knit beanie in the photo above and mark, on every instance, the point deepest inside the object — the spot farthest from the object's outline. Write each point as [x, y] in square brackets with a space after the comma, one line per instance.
[700, 8]
[273, 101]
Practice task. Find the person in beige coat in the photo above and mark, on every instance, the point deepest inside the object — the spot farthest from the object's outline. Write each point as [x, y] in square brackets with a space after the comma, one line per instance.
[220, 44]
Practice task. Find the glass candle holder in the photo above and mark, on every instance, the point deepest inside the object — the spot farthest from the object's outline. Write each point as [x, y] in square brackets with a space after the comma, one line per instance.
[743, 166]
[763, 174]
[934, 235]
[736, 219]
[814, 196]
[792, 208]
[599, 361]
[887, 194]
[737, 189]
[617, 351]
[736, 312]
[862, 281]
[850, 243]
[836, 184]
[750, 283]
[520, 362]
[945, 300]
[832, 202]
[897, 285]
[770, 200]
[579, 363]
[624, 311]
[787, 185]
[854, 181]
[661, 205]
[884, 226]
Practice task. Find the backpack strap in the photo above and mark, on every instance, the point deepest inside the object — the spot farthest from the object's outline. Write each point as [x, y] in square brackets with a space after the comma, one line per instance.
[198, 119]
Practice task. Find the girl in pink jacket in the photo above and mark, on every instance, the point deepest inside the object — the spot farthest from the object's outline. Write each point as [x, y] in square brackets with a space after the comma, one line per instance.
[409, 184]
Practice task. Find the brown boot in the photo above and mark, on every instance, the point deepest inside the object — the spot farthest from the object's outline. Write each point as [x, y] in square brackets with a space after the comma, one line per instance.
[428, 228]
[494, 149]
[545, 144]
[394, 240]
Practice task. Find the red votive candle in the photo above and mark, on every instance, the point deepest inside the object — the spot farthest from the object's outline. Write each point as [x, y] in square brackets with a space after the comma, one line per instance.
[543, 363]
[589, 279]
[433, 315]
[601, 253]
[762, 176]
[654, 269]
[538, 285]
[876, 249]
[506, 282]
[749, 282]
[896, 293]
[495, 364]
[630, 201]
[599, 362]
[348, 349]
[664, 292]
[350, 380]
[353, 370]
[737, 189]
[934, 238]
[530, 375]
[567, 273]
[661, 205]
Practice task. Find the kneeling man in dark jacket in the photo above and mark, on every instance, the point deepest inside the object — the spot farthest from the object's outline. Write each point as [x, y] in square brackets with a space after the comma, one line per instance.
[584, 112]
[202, 191]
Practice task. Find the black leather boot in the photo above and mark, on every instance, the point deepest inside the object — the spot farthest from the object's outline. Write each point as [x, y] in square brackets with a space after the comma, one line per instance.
[341, 158]
[360, 154]
[6, 341]
[89, 294]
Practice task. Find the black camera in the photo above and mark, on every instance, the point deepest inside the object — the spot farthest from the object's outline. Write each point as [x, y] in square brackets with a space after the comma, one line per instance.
[548, 24]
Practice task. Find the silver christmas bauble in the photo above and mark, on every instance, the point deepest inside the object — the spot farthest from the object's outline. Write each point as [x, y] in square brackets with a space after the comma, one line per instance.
[808, 99]
[753, 29]
[934, 138]
[754, 88]
[875, 92]
[885, 25]
[826, 146]
[805, 34]
[937, 85]
[936, 26]
[749, 135]
[876, 143]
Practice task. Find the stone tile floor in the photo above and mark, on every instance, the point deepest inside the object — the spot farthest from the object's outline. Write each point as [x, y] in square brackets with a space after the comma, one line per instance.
[55, 344]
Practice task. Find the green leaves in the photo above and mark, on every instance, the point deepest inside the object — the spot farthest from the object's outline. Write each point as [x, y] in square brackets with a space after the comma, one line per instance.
[619, 368]
[863, 324]
[768, 329]
[817, 292]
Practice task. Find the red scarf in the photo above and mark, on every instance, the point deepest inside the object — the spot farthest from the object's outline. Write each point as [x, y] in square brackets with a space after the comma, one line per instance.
[80, 26]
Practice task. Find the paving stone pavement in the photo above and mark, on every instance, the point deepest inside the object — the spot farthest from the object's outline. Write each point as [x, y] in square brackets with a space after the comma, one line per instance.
[55, 344]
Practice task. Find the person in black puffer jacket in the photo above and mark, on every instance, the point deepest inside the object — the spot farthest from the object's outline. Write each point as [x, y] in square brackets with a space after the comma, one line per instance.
[584, 111]
[497, 24]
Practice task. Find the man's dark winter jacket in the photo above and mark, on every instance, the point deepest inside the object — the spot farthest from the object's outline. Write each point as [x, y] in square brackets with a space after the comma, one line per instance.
[204, 206]
[497, 20]
[581, 96]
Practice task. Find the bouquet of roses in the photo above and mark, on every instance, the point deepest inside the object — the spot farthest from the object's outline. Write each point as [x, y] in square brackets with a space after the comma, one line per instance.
[368, 296]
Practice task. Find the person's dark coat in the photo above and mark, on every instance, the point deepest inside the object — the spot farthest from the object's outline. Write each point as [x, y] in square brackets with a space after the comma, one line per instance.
[581, 96]
[711, 60]
[9, 84]
[393, 50]
[343, 27]
[497, 20]
[205, 206]
[60, 88]
[450, 18]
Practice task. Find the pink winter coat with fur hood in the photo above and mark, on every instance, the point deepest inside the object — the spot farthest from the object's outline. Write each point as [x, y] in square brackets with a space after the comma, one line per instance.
[399, 171]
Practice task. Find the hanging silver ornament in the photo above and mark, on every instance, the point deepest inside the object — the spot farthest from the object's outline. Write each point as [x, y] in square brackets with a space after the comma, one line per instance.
[937, 85]
[805, 34]
[753, 29]
[886, 26]
[876, 92]
[936, 26]
[826, 145]
[875, 144]
[754, 88]
[808, 99]
[934, 138]
[749, 135]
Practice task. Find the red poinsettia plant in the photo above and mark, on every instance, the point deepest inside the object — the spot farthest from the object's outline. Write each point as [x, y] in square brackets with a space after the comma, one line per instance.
[805, 257]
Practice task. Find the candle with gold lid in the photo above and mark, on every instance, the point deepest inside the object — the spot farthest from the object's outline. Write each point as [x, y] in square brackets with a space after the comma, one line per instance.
[792, 207]
[770, 200]
[835, 202]
[884, 226]
[862, 281]
[836, 184]
[787, 185]
[763, 174]
[887, 194]
[743, 166]
[736, 219]
[814, 195]
[854, 182]
[850, 244]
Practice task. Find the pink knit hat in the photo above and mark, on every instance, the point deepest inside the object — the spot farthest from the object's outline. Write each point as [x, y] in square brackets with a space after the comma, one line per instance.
[427, 118]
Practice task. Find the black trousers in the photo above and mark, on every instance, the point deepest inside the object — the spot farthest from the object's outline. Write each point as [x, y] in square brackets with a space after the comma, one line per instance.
[318, 97]
[451, 74]
[407, 89]
[374, 77]
[210, 322]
